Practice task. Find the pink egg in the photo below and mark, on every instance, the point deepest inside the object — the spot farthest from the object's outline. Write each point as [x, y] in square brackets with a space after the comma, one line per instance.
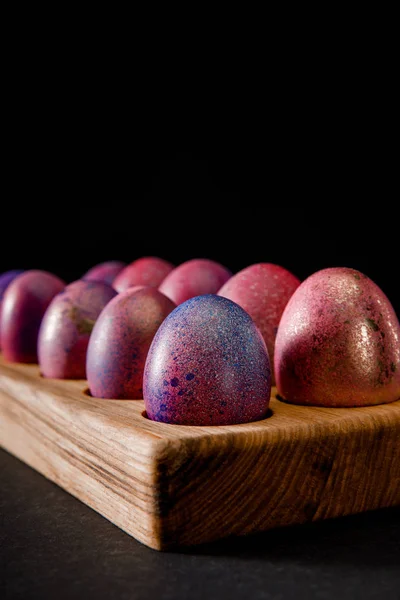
[263, 290]
[338, 342]
[120, 342]
[24, 304]
[105, 272]
[66, 328]
[148, 270]
[194, 278]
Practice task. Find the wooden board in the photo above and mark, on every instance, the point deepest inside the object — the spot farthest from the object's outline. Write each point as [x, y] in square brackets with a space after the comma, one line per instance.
[171, 485]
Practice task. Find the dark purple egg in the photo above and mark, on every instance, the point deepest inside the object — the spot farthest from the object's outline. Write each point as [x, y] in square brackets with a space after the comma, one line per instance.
[120, 342]
[66, 327]
[208, 365]
[105, 272]
[24, 303]
[5, 280]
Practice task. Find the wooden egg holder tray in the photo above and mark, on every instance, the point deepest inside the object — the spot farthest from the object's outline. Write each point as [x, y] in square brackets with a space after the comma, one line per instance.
[174, 485]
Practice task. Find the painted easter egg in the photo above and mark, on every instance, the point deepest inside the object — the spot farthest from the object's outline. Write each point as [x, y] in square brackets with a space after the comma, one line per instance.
[148, 270]
[5, 280]
[105, 272]
[208, 365]
[24, 303]
[338, 342]
[120, 342]
[263, 290]
[66, 328]
[194, 278]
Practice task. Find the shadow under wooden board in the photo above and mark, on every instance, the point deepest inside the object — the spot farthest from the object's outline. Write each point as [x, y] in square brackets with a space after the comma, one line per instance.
[172, 485]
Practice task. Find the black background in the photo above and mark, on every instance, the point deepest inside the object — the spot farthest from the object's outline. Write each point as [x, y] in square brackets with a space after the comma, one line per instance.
[306, 204]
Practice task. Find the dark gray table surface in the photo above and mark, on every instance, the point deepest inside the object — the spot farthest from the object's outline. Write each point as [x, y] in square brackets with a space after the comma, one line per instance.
[53, 546]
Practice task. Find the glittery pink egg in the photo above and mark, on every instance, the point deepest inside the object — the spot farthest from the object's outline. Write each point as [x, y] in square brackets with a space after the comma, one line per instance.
[24, 303]
[338, 342]
[207, 365]
[263, 290]
[194, 278]
[66, 328]
[105, 272]
[120, 342]
[148, 270]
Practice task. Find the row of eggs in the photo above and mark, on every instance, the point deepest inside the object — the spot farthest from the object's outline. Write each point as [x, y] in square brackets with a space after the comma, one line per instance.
[201, 346]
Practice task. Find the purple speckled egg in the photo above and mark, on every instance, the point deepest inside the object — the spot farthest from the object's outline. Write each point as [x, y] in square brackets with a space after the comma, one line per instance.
[5, 280]
[66, 327]
[24, 303]
[194, 278]
[120, 342]
[208, 365]
[338, 342]
[148, 270]
[105, 272]
[263, 290]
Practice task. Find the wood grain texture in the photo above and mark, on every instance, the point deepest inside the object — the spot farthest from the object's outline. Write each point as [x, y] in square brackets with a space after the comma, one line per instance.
[171, 485]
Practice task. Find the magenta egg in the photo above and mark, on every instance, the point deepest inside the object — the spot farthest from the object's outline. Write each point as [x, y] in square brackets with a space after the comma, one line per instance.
[338, 342]
[66, 327]
[105, 272]
[263, 290]
[120, 342]
[24, 303]
[148, 270]
[194, 278]
[207, 365]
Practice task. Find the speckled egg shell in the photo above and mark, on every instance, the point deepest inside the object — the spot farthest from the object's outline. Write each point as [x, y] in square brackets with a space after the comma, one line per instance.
[120, 342]
[208, 365]
[5, 280]
[338, 342]
[194, 278]
[24, 303]
[148, 270]
[66, 327]
[263, 290]
[105, 272]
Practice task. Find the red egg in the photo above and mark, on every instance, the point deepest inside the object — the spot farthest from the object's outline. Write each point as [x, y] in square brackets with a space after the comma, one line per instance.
[338, 342]
[24, 304]
[263, 290]
[120, 342]
[148, 270]
[66, 328]
[194, 278]
[105, 272]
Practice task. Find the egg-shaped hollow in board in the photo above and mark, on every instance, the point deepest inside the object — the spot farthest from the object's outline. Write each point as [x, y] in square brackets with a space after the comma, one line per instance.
[207, 365]
[338, 342]
[5, 280]
[149, 271]
[195, 277]
[24, 304]
[105, 272]
[263, 290]
[120, 342]
[66, 327]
